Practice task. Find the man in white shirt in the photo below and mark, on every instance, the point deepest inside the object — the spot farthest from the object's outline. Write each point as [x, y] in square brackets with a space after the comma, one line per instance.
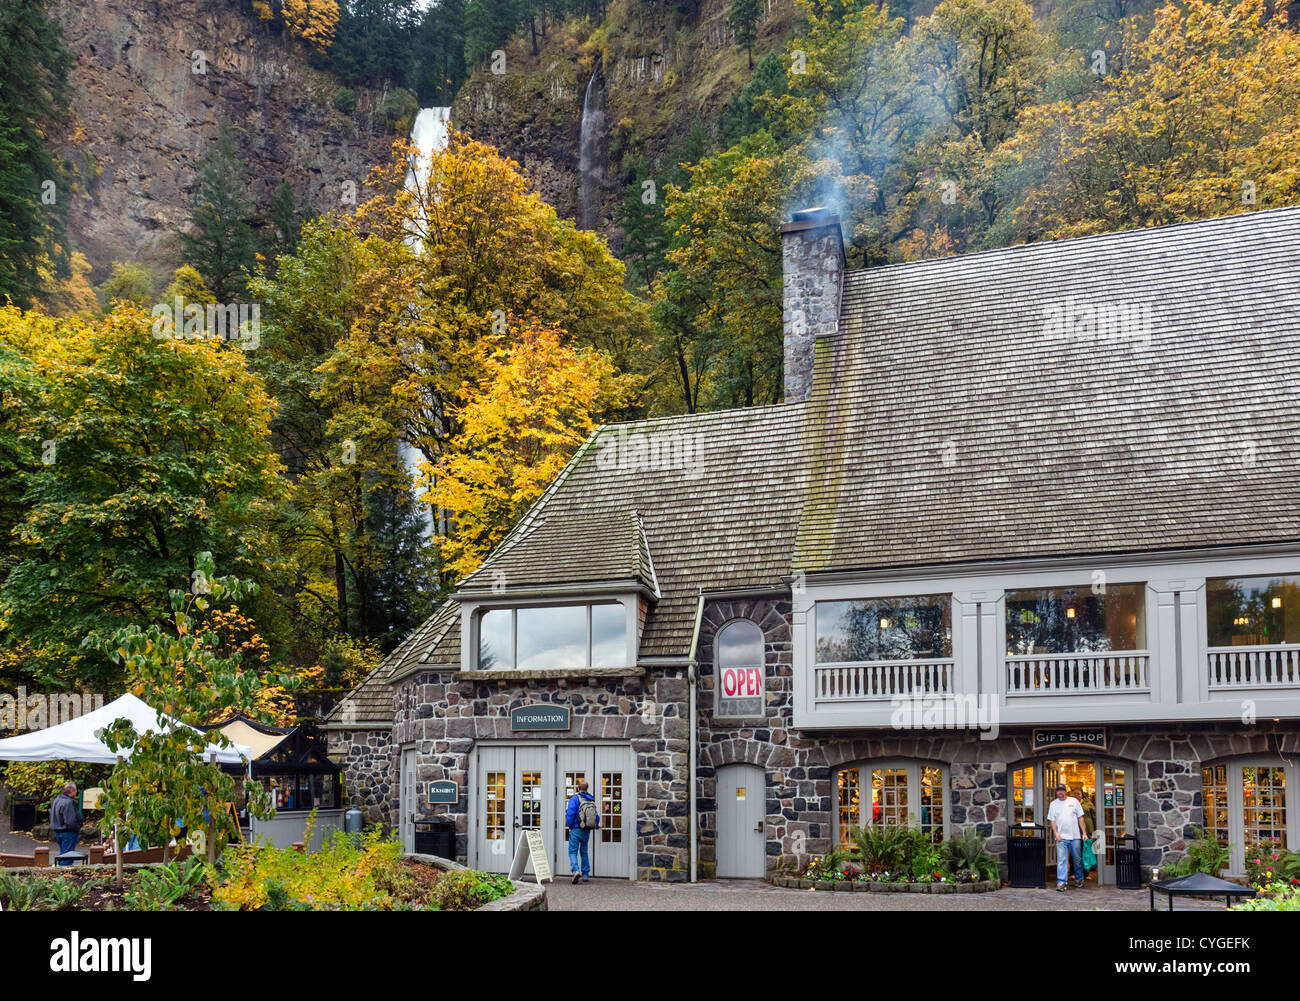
[1066, 817]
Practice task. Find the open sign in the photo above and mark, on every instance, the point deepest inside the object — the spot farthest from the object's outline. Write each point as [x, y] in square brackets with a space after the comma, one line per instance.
[740, 683]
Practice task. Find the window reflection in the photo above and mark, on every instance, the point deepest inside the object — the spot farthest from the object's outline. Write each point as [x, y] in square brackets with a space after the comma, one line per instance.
[1076, 620]
[1253, 611]
[918, 627]
[541, 637]
[552, 637]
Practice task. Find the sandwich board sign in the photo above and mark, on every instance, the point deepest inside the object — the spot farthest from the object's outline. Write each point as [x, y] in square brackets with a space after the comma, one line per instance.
[531, 848]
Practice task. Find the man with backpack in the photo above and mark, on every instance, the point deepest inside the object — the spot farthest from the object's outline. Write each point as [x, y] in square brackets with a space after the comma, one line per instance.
[581, 818]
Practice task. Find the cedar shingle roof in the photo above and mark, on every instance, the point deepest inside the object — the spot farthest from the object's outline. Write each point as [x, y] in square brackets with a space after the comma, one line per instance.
[979, 407]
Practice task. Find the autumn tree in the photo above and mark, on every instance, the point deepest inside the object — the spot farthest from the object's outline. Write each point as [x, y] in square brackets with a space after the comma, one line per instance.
[314, 21]
[149, 452]
[361, 568]
[541, 398]
[719, 301]
[483, 249]
[166, 784]
[1203, 118]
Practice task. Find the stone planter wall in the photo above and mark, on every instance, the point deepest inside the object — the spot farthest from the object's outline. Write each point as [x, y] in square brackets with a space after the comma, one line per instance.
[527, 896]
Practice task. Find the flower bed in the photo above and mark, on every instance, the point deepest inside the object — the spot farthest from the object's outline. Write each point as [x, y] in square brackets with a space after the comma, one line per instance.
[900, 859]
[882, 886]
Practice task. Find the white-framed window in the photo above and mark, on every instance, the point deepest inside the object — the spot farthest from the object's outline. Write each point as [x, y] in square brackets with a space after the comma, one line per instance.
[1244, 804]
[1252, 611]
[539, 637]
[893, 793]
[740, 670]
[1061, 620]
[868, 630]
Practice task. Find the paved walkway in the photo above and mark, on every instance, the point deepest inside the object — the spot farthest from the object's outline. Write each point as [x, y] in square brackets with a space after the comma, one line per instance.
[756, 895]
[18, 843]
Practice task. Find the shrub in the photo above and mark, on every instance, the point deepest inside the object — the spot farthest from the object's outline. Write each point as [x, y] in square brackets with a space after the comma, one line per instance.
[467, 889]
[159, 888]
[1269, 865]
[1287, 899]
[1204, 854]
[20, 893]
[830, 867]
[398, 109]
[60, 894]
[966, 857]
[345, 100]
[347, 874]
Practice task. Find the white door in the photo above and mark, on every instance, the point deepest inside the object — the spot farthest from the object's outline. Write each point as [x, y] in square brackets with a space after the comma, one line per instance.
[615, 841]
[571, 765]
[742, 842]
[495, 836]
[533, 797]
[407, 798]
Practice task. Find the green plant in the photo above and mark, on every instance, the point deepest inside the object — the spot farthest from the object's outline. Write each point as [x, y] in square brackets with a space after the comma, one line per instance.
[1204, 854]
[966, 857]
[19, 893]
[926, 863]
[467, 889]
[1270, 866]
[830, 867]
[345, 100]
[1286, 899]
[882, 848]
[60, 894]
[159, 888]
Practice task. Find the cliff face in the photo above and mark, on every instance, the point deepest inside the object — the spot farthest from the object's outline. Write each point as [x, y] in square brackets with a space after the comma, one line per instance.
[143, 118]
[659, 72]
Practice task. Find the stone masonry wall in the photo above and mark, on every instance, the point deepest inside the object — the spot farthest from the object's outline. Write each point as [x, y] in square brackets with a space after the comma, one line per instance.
[445, 719]
[369, 776]
[1165, 761]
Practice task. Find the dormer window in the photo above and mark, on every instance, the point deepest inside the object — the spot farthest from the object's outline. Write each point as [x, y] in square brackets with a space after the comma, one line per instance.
[552, 637]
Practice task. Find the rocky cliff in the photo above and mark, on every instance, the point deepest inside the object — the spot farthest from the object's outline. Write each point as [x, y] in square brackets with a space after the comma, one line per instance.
[660, 70]
[154, 81]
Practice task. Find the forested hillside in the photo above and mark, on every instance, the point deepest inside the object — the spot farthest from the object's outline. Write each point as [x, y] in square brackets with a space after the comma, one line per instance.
[245, 320]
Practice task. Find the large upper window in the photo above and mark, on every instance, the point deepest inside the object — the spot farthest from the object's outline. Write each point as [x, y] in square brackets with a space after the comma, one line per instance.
[538, 637]
[918, 627]
[1076, 619]
[1253, 611]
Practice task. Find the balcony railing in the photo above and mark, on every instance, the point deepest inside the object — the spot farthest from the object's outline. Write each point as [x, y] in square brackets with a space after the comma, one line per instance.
[882, 679]
[1079, 673]
[1276, 666]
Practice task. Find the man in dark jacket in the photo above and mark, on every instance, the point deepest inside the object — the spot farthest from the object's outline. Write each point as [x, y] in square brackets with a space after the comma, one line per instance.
[65, 818]
[579, 835]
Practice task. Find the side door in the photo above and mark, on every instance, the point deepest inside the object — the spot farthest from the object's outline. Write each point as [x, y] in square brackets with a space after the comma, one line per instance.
[408, 799]
[742, 842]
[571, 764]
[533, 799]
[495, 834]
[1114, 802]
[614, 788]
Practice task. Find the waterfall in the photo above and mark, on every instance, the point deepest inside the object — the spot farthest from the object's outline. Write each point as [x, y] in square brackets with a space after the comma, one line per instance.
[428, 136]
[590, 167]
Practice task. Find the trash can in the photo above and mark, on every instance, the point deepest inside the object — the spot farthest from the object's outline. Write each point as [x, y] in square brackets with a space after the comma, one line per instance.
[22, 814]
[1128, 873]
[435, 837]
[1026, 855]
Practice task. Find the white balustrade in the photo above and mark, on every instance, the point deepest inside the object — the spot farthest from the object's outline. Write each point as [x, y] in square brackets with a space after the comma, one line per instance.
[1276, 666]
[882, 679]
[1079, 673]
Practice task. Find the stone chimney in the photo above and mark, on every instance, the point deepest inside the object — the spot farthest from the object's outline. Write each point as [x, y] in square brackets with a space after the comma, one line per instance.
[812, 264]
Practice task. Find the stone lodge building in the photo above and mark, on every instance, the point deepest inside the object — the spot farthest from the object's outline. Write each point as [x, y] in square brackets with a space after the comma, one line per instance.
[1026, 516]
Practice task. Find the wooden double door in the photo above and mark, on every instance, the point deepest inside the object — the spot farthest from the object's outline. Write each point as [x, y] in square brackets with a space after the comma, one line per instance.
[1107, 801]
[521, 787]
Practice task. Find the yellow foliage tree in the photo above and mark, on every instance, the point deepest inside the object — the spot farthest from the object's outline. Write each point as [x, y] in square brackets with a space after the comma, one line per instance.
[1201, 119]
[314, 21]
[541, 399]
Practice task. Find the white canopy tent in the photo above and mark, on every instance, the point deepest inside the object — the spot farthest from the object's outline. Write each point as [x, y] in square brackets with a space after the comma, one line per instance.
[75, 740]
